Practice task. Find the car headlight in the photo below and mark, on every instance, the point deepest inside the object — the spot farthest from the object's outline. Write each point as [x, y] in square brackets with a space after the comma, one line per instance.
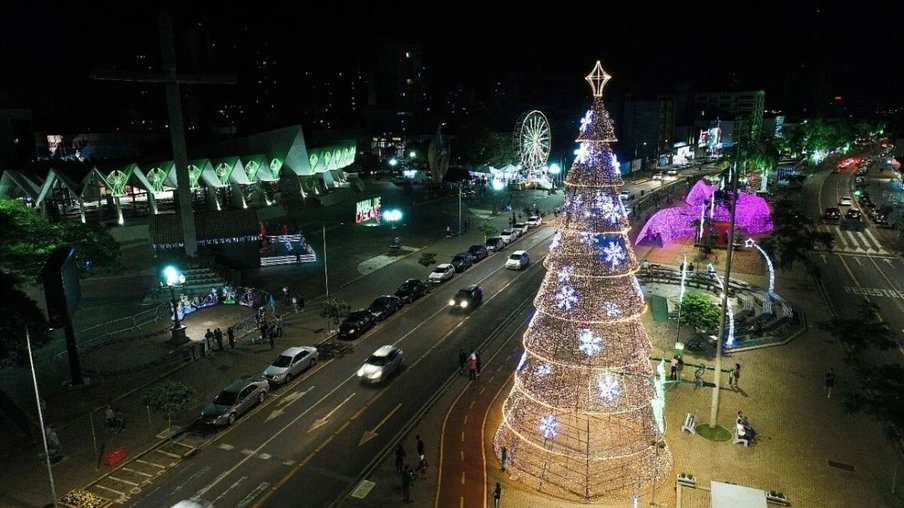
[464, 304]
[377, 374]
[222, 418]
[452, 303]
[361, 372]
[351, 330]
[278, 377]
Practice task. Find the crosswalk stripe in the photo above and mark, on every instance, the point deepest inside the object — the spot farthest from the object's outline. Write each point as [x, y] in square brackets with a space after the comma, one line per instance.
[854, 241]
[876, 242]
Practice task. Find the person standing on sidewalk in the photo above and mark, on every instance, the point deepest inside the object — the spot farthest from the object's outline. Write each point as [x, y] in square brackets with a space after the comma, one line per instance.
[407, 481]
[218, 336]
[285, 292]
[420, 447]
[830, 382]
[231, 335]
[278, 325]
[462, 360]
[477, 356]
[497, 493]
[208, 337]
[735, 376]
[504, 457]
[399, 458]
[472, 367]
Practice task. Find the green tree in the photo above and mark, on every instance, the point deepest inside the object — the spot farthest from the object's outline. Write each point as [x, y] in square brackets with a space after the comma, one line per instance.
[168, 397]
[700, 312]
[427, 259]
[480, 147]
[861, 332]
[794, 237]
[487, 229]
[19, 310]
[335, 310]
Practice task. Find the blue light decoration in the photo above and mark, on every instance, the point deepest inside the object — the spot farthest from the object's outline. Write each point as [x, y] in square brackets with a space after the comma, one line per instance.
[610, 208]
[566, 273]
[616, 164]
[588, 342]
[549, 426]
[608, 386]
[611, 309]
[588, 238]
[543, 370]
[576, 203]
[614, 254]
[767, 301]
[658, 402]
[582, 153]
[522, 361]
[730, 341]
[566, 297]
[585, 122]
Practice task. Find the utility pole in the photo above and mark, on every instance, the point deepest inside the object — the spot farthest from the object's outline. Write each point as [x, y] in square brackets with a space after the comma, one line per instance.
[171, 79]
[717, 376]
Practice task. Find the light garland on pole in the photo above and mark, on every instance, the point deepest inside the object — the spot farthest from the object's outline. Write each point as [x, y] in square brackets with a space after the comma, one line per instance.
[728, 310]
[681, 299]
[767, 301]
[584, 418]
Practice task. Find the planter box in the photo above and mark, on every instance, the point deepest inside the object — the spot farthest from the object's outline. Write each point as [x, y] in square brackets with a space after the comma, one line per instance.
[783, 501]
[687, 482]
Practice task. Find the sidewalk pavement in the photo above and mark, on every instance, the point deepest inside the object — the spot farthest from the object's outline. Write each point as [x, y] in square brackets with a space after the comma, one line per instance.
[78, 415]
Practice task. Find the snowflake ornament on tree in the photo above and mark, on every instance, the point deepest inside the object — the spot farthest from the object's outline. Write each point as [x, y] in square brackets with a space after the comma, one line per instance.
[522, 361]
[556, 240]
[544, 370]
[577, 202]
[613, 254]
[566, 274]
[610, 209]
[582, 153]
[566, 298]
[549, 426]
[608, 386]
[588, 342]
[611, 309]
[585, 122]
[588, 238]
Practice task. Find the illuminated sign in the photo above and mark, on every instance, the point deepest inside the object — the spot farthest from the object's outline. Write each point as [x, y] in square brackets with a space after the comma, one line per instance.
[366, 210]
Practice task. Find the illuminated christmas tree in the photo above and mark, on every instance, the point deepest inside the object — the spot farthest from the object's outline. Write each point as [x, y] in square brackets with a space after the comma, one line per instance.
[585, 414]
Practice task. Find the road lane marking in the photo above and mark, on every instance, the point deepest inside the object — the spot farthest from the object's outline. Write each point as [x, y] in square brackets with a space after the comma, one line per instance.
[287, 401]
[140, 473]
[122, 481]
[227, 491]
[121, 494]
[466, 420]
[462, 477]
[253, 494]
[370, 434]
[150, 463]
[320, 422]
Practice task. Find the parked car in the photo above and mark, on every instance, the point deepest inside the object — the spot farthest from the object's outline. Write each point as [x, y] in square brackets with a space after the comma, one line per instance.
[844, 201]
[385, 306]
[411, 290]
[673, 172]
[508, 235]
[832, 214]
[534, 221]
[478, 252]
[461, 261]
[380, 364]
[521, 227]
[658, 176]
[291, 363]
[467, 298]
[518, 260]
[235, 400]
[624, 195]
[356, 323]
[441, 273]
[495, 244]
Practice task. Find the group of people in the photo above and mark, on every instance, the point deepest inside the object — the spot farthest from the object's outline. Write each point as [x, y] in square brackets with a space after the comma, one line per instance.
[217, 336]
[115, 419]
[472, 361]
[745, 430]
[293, 300]
[408, 474]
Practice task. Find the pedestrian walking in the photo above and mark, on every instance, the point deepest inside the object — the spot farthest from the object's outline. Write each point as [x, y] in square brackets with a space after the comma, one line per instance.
[208, 337]
[830, 382]
[399, 457]
[504, 457]
[448, 231]
[271, 340]
[54, 448]
[278, 325]
[231, 335]
[462, 360]
[285, 292]
[407, 481]
[218, 336]
[472, 367]
[497, 493]
[735, 375]
[673, 374]
[477, 357]
[422, 468]
[295, 303]
[420, 447]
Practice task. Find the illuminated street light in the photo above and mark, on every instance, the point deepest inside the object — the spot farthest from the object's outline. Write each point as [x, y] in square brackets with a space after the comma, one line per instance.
[392, 216]
[498, 185]
[412, 154]
[171, 277]
[393, 162]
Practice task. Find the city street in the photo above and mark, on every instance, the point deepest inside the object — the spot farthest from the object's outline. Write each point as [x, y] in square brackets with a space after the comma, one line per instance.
[327, 428]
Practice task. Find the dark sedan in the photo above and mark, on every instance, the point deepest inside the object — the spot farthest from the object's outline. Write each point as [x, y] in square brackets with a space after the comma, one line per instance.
[832, 214]
[356, 324]
[467, 298]
[385, 306]
[411, 290]
[478, 252]
[461, 261]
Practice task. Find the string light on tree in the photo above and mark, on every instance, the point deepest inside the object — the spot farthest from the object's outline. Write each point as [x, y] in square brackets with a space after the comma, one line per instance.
[767, 302]
[581, 420]
[730, 340]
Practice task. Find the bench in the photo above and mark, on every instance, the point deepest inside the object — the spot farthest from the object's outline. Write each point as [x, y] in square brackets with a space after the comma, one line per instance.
[739, 440]
[690, 423]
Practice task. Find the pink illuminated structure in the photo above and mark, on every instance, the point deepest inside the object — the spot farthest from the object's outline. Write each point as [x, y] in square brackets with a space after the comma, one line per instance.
[753, 216]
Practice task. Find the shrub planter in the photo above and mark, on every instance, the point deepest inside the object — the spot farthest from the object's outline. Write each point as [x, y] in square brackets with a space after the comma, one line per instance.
[776, 498]
[687, 480]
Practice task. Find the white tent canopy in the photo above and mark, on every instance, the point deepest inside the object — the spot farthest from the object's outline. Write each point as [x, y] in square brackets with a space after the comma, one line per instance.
[726, 495]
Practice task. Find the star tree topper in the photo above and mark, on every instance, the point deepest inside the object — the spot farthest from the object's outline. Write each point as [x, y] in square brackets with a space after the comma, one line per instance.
[597, 79]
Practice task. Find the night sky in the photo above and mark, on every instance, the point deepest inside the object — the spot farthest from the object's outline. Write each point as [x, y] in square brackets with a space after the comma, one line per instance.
[544, 47]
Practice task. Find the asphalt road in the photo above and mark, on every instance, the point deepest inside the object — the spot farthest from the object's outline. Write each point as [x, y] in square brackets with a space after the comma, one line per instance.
[860, 266]
[312, 440]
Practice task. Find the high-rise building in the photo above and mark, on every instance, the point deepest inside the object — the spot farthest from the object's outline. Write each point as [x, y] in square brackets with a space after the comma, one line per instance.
[397, 94]
[731, 106]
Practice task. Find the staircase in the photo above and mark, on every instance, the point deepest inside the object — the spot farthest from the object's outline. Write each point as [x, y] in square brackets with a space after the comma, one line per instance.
[199, 281]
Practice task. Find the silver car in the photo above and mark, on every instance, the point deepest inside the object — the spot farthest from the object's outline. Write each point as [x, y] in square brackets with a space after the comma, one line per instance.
[291, 363]
[380, 364]
[235, 400]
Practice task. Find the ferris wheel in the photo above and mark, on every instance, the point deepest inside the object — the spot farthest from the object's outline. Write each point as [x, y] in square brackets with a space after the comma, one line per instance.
[532, 140]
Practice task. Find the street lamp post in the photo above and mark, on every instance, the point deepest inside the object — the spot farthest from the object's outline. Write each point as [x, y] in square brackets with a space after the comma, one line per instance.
[172, 277]
[554, 170]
